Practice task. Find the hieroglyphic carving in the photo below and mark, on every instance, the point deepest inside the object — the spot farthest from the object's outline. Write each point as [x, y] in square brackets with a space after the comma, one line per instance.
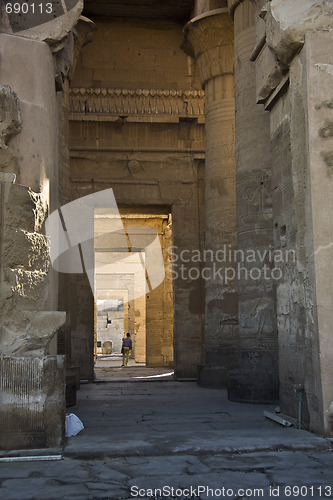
[254, 360]
[110, 101]
[255, 198]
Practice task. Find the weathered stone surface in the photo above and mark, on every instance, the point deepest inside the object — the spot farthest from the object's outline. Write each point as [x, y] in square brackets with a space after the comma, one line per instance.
[145, 62]
[25, 253]
[26, 209]
[288, 22]
[320, 179]
[64, 59]
[269, 73]
[32, 413]
[302, 201]
[330, 417]
[10, 115]
[36, 146]
[6, 183]
[209, 37]
[8, 161]
[29, 333]
[24, 250]
[10, 125]
[26, 326]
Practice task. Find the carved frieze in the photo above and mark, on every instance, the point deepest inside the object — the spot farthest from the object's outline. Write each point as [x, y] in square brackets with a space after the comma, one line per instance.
[105, 103]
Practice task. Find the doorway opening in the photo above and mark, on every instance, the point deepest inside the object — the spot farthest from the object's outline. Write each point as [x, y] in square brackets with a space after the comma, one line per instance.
[133, 286]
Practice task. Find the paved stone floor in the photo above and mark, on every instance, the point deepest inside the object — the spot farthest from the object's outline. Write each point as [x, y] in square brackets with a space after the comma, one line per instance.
[149, 437]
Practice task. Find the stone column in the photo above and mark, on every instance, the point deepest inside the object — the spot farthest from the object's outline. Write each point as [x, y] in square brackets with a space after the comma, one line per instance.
[257, 379]
[209, 38]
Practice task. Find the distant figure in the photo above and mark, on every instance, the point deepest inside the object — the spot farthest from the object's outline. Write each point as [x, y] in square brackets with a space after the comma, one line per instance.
[126, 348]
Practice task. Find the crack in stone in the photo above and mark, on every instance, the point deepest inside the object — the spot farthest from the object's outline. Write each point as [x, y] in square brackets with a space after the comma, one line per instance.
[323, 247]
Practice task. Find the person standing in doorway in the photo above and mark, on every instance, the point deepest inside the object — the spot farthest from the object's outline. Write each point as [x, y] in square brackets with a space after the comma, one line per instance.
[126, 348]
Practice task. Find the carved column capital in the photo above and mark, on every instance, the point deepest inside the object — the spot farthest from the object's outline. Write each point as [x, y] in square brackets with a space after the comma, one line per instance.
[209, 38]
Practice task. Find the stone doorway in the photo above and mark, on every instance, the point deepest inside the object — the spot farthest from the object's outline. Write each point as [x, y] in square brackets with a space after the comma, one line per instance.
[133, 288]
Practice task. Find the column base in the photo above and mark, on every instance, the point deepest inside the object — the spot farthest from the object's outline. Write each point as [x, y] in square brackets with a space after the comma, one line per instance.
[252, 387]
[33, 412]
[212, 375]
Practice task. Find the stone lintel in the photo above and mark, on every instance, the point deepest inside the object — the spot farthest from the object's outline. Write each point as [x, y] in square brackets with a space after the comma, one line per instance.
[209, 38]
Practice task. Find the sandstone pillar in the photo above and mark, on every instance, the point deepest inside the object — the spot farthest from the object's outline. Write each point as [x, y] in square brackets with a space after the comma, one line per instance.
[294, 80]
[209, 38]
[32, 389]
[257, 378]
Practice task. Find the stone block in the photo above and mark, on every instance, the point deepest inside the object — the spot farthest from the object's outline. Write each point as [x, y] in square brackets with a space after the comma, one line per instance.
[107, 347]
[32, 413]
[179, 193]
[10, 123]
[25, 250]
[288, 23]
[29, 333]
[20, 208]
[8, 162]
[29, 289]
[269, 74]
[36, 144]
[212, 376]
[253, 387]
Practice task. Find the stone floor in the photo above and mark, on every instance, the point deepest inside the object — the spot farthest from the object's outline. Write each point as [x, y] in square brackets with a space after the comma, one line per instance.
[147, 436]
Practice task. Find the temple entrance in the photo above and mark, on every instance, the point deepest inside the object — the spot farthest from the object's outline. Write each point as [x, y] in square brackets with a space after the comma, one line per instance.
[133, 287]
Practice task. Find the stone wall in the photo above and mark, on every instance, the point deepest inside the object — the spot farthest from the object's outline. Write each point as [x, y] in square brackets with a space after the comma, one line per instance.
[293, 72]
[33, 380]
